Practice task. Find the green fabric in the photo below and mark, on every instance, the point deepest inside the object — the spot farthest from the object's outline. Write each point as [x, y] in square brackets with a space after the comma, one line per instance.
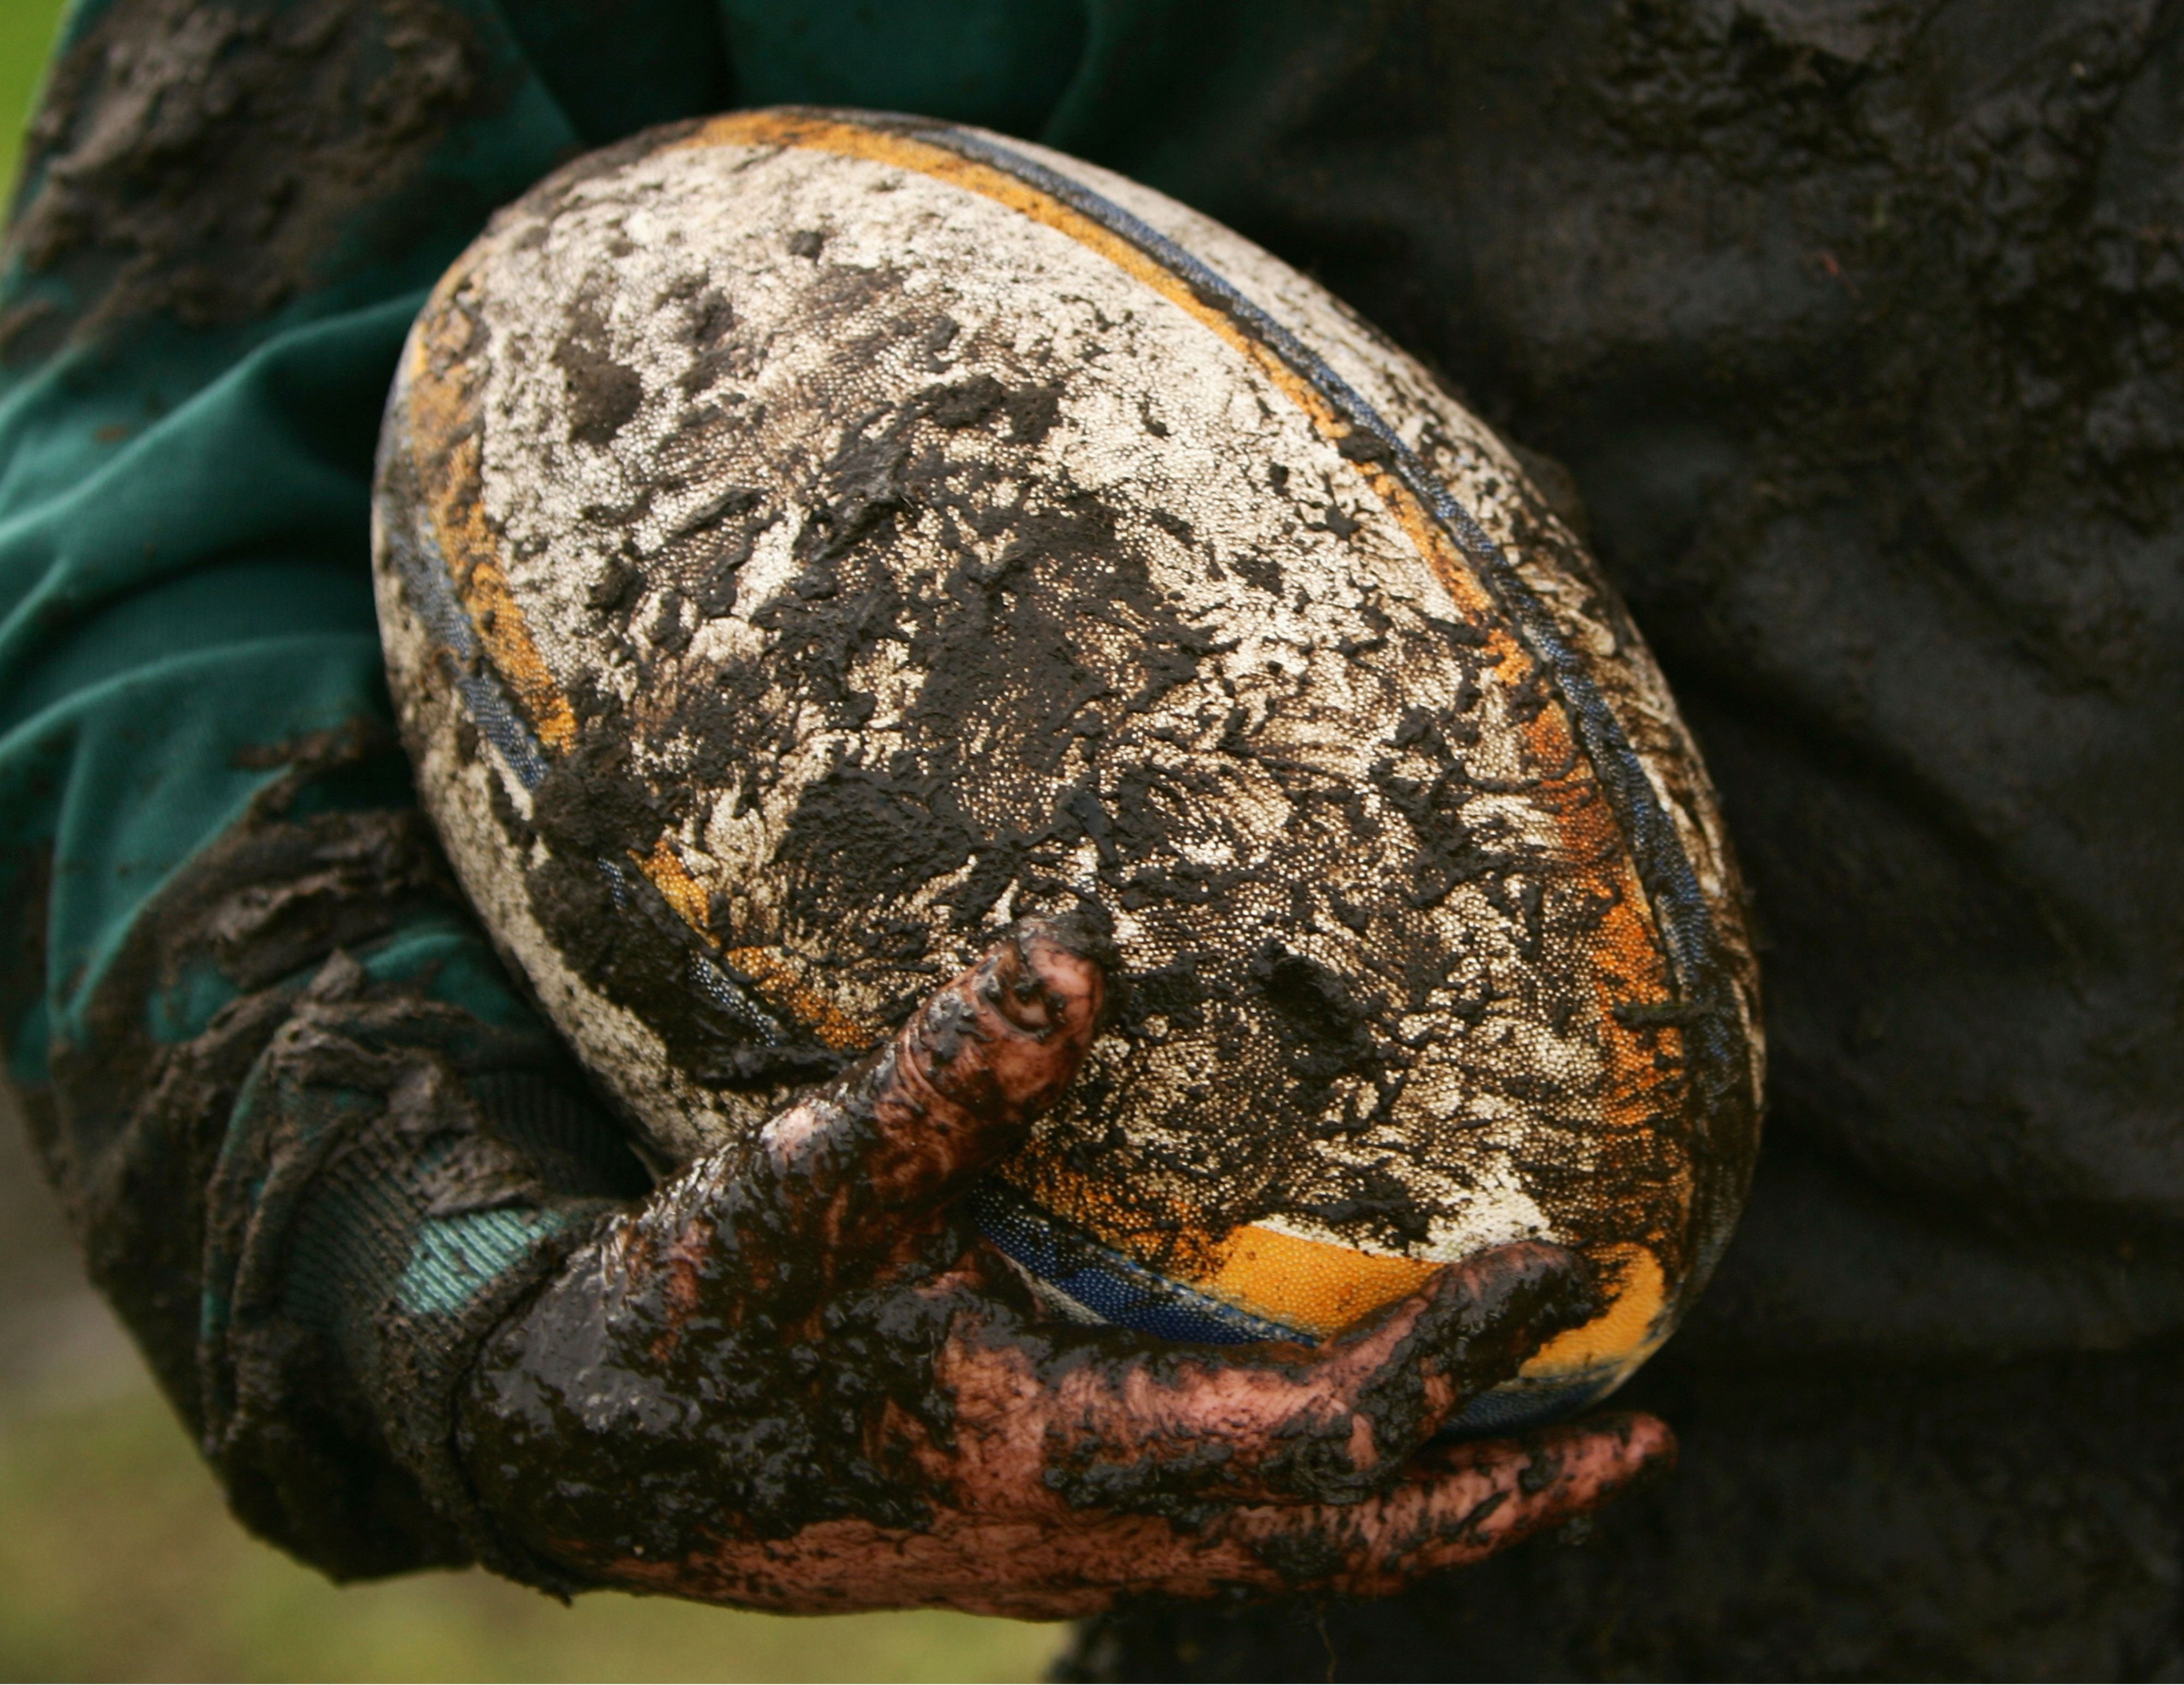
[1000, 63]
[396, 1175]
[455, 1259]
[189, 594]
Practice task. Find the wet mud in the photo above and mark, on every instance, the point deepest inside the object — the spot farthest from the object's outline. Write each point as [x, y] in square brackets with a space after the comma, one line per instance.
[204, 162]
[131, 1127]
[798, 1336]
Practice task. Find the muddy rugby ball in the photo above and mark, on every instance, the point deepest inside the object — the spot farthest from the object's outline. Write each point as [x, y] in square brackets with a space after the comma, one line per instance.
[808, 540]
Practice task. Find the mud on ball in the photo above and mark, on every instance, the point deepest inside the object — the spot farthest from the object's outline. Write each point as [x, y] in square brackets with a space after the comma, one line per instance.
[808, 541]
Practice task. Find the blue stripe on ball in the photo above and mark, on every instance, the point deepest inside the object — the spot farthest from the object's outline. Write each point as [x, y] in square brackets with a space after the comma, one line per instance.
[1112, 1286]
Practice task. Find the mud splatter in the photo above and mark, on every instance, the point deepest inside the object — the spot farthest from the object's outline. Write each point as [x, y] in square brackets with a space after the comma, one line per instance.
[201, 161]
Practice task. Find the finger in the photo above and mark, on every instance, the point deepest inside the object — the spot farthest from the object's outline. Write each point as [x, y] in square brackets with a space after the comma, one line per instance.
[1115, 1421]
[1478, 1498]
[1035, 1564]
[903, 1129]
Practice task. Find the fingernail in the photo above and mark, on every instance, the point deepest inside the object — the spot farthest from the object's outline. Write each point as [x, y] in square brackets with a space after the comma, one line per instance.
[1016, 991]
[947, 1020]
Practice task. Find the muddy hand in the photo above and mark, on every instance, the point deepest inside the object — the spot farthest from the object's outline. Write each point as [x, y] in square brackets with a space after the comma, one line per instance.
[794, 1379]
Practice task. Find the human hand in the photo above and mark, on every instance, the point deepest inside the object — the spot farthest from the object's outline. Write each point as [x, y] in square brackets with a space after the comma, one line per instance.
[795, 1378]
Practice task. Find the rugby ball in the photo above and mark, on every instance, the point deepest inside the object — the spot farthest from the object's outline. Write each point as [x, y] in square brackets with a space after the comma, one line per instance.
[806, 541]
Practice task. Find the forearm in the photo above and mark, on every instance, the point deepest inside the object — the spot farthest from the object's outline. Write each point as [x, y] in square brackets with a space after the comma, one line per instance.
[237, 961]
[312, 1203]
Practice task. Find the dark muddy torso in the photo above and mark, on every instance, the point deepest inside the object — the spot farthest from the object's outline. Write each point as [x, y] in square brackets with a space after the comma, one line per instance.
[1855, 327]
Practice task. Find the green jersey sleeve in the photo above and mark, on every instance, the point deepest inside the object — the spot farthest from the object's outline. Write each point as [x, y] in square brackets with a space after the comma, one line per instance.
[310, 1137]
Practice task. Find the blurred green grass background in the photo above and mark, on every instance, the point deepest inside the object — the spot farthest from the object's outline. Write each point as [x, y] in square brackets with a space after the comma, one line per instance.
[119, 1561]
[26, 32]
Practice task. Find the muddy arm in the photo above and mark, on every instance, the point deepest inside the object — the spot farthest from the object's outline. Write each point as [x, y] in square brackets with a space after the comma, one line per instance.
[227, 218]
